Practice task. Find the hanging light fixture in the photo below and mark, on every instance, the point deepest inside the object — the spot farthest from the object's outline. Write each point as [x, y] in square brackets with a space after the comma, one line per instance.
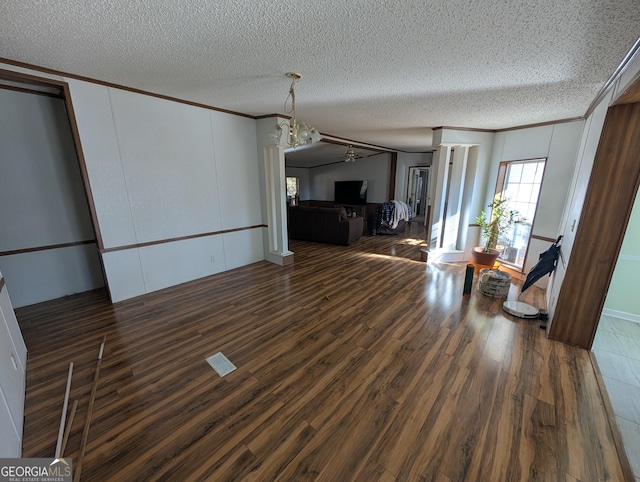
[298, 133]
[351, 155]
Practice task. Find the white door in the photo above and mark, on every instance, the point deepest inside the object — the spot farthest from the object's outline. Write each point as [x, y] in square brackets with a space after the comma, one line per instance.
[418, 190]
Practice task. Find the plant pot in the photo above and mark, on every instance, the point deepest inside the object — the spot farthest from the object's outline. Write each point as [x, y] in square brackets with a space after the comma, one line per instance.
[483, 258]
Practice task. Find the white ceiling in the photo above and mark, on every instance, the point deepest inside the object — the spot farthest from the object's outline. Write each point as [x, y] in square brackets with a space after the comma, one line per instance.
[325, 153]
[382, 72]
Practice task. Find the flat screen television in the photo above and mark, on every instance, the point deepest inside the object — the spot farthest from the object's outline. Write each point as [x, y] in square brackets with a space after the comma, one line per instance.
[350, 192]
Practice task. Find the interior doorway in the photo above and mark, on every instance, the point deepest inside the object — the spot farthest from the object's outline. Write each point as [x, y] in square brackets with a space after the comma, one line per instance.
[418, 193]
[616, 345]
[50, 246]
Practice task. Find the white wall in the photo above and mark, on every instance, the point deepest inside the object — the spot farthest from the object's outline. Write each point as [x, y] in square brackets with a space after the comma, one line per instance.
[375, 170]
[161, 170]
[559, 143]
[42, 202]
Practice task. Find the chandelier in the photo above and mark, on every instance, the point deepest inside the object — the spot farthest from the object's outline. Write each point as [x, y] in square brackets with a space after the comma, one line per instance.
[298, 133]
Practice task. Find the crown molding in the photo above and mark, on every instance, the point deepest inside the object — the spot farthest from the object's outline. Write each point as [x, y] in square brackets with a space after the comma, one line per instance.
[268, 116]
[541, 124]
[46, 70]
[469, 129]
[609, 84]
[615, 76]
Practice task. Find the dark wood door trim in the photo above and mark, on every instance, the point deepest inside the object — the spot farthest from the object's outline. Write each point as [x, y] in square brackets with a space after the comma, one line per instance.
[610, 196]
[392, 176]
[65, 94]
[73, 126]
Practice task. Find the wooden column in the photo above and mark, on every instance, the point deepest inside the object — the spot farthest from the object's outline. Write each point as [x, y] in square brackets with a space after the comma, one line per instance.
[392, 176]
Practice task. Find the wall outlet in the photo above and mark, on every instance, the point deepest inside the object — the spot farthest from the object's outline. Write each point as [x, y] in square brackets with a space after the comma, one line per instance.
[213, 259]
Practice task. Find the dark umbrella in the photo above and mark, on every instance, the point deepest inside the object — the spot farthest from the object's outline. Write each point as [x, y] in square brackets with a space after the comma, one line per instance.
[546, 264]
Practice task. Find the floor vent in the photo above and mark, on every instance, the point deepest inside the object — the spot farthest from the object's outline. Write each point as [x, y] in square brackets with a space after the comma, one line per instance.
[221, 364]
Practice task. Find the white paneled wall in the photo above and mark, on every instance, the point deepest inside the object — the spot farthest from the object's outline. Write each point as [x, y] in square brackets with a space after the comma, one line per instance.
[582, 173]
[161, 171]
[133, 272]
[124, 274]
[102, 157]
[168, 264]
[234, 143]
[167, 157]
[242, 247]
[52, 273]
[527, 143]
[576, 192]
[561, 159]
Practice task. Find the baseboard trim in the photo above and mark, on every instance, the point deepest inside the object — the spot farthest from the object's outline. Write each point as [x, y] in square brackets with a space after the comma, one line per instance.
[441, 256]
[629, 257]
[621, 314]
[287, 260]
[281, 259]
[519, 275]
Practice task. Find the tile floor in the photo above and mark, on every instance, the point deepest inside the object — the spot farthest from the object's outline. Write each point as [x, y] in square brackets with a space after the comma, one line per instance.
[617, 350]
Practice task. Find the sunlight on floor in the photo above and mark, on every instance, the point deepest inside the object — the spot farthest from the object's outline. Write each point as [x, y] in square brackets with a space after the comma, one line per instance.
[393, 257]
[414, 242]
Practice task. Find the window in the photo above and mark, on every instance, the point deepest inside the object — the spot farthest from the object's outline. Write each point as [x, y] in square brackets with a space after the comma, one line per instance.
[293, 190]
[519, 183]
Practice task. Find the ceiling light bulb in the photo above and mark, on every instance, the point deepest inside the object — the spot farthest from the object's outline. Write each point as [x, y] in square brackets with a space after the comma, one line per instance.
[303, 131]
[315, 136]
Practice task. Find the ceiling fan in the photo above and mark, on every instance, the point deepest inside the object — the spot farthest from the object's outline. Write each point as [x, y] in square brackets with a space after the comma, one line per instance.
[351, 155]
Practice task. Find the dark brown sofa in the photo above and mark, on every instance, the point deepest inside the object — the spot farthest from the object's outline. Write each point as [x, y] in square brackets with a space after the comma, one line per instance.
[314, 221]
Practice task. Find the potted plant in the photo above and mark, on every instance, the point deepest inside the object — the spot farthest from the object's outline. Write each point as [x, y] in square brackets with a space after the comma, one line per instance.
[501, 219]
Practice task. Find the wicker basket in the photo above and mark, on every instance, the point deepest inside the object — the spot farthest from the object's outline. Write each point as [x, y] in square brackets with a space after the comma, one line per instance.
[492, 283]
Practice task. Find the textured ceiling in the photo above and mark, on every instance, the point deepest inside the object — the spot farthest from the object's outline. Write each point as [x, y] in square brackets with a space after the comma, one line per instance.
[382, 72]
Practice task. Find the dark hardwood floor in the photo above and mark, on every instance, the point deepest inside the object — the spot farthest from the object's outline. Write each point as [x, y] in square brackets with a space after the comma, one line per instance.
[357, 363]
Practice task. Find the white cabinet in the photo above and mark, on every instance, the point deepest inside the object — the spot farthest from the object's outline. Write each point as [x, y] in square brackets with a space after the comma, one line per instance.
[13, 364]
[10, 441]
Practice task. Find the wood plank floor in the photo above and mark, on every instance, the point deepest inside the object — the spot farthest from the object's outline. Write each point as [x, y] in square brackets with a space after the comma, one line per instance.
[357, 363]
